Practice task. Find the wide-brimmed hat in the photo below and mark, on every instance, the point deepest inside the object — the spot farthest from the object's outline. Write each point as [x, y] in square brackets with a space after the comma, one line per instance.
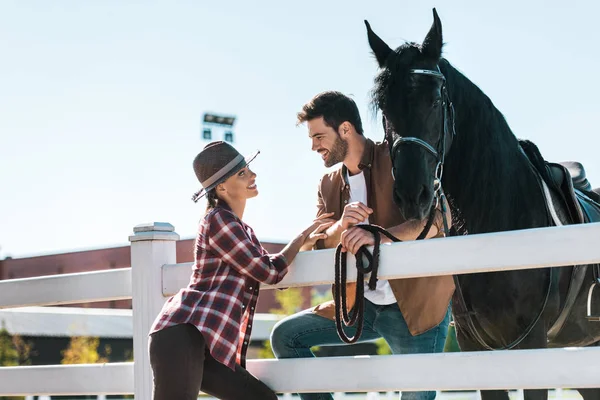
[217, 162]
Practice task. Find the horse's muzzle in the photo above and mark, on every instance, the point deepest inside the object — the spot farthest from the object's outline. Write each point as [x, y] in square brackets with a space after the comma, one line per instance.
[414, 207]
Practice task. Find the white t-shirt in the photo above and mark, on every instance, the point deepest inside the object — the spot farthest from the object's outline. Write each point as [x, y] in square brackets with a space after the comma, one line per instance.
[383, 294]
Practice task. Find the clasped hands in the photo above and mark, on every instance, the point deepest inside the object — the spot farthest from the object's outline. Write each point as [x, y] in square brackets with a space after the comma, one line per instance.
[352, 237]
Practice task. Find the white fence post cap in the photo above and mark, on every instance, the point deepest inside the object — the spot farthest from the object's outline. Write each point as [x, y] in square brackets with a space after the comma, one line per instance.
[153, 231]
[154, 226]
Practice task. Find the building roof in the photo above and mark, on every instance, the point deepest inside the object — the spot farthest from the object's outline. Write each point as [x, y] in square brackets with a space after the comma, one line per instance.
[95, 322]
[67, 321]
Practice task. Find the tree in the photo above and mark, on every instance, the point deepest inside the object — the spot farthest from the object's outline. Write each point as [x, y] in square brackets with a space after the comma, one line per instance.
[14, 351]
[9, 356]
[84, 350]
[290, 301]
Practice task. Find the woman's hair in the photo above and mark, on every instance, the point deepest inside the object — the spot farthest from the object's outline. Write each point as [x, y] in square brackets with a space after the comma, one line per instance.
[211, 202]
[211, 199]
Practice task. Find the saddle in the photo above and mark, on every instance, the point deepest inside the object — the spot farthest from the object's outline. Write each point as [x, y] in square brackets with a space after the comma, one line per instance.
[582, 203]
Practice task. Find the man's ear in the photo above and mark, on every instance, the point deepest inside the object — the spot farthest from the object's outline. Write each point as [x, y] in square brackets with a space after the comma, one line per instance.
[220, 187]
[345, 128]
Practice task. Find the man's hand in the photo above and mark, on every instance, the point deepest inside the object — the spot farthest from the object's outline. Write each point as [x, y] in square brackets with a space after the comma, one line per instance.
[354, 238]
[354, 213]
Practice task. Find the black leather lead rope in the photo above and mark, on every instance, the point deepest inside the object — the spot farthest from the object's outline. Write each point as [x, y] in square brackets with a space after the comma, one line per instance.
[356, 314]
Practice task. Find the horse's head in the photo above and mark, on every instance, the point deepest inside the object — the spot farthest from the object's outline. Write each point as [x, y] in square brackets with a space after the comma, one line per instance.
[417, 115]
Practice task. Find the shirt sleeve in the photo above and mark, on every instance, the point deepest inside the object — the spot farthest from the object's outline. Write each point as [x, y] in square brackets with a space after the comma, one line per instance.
[229, 240]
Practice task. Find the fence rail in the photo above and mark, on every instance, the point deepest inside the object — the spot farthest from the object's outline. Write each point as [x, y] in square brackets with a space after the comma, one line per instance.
[84, 287]
[524, 249]
[508, 369]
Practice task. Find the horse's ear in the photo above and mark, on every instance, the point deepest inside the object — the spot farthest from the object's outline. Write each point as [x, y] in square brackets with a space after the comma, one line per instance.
[380, 49]
[432, 45]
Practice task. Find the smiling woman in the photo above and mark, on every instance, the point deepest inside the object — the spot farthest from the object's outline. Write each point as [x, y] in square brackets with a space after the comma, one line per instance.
[200, 337]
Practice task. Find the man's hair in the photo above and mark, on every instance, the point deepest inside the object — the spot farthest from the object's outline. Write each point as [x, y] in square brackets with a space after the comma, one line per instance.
[335, 108]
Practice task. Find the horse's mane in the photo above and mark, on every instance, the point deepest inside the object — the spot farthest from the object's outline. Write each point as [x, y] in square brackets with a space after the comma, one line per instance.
[485, 156]
[393, 76]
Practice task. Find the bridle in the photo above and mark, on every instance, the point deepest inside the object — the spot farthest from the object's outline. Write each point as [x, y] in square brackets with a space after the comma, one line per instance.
[439, 153]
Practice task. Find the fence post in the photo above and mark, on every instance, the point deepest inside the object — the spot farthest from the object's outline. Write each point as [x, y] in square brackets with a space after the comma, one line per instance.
[152, 246]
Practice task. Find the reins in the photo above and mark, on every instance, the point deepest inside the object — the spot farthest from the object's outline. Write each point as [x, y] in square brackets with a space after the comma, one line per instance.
[356, 315]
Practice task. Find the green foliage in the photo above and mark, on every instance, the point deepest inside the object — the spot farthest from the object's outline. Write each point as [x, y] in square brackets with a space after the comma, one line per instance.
[14, 351]
[316, 298]
[451, 344]
[266, 351]
[84, 350]
[290, 301]
[9, 356]
[382, 347]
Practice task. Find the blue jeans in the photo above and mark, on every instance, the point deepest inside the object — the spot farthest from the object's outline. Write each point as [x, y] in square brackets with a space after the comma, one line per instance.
[293, 337]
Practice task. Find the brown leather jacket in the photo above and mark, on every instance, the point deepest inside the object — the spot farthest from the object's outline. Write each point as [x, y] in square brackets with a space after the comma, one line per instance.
[422, 301]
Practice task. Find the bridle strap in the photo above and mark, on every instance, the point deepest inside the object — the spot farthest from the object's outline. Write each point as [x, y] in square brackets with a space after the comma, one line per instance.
[429, 72]
[399, 140]
[446, 121]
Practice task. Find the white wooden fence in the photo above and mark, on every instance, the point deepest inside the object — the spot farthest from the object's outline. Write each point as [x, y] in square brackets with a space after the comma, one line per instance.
[154, 275]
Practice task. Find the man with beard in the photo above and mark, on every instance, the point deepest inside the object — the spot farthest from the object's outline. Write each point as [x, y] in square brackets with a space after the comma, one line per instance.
[412, 315]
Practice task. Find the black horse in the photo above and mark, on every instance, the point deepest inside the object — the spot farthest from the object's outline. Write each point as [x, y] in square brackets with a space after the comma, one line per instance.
[446, 136]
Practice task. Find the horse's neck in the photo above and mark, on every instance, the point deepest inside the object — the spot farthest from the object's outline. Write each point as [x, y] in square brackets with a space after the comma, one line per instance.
[487, 177]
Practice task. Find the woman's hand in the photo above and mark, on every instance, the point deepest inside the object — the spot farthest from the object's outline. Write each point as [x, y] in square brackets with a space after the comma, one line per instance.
[316, 231]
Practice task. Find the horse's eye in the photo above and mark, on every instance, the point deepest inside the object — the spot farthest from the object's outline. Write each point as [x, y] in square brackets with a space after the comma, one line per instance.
[437, 102]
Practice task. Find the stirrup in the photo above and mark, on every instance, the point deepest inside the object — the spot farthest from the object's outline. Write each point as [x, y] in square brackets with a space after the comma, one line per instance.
[591, 317]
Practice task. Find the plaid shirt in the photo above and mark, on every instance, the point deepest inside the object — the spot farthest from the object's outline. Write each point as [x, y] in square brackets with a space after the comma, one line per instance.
[223, 290]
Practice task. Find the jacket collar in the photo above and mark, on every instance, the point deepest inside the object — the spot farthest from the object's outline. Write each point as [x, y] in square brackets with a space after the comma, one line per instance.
[366, 161]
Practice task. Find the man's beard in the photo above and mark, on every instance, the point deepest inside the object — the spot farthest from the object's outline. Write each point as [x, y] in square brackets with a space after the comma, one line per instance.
[338, 152]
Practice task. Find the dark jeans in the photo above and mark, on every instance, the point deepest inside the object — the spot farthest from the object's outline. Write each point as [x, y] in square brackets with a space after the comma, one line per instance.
[182, 366]
[294, 336]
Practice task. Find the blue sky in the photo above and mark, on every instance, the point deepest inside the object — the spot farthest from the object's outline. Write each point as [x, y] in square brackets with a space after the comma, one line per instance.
[101, 101]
